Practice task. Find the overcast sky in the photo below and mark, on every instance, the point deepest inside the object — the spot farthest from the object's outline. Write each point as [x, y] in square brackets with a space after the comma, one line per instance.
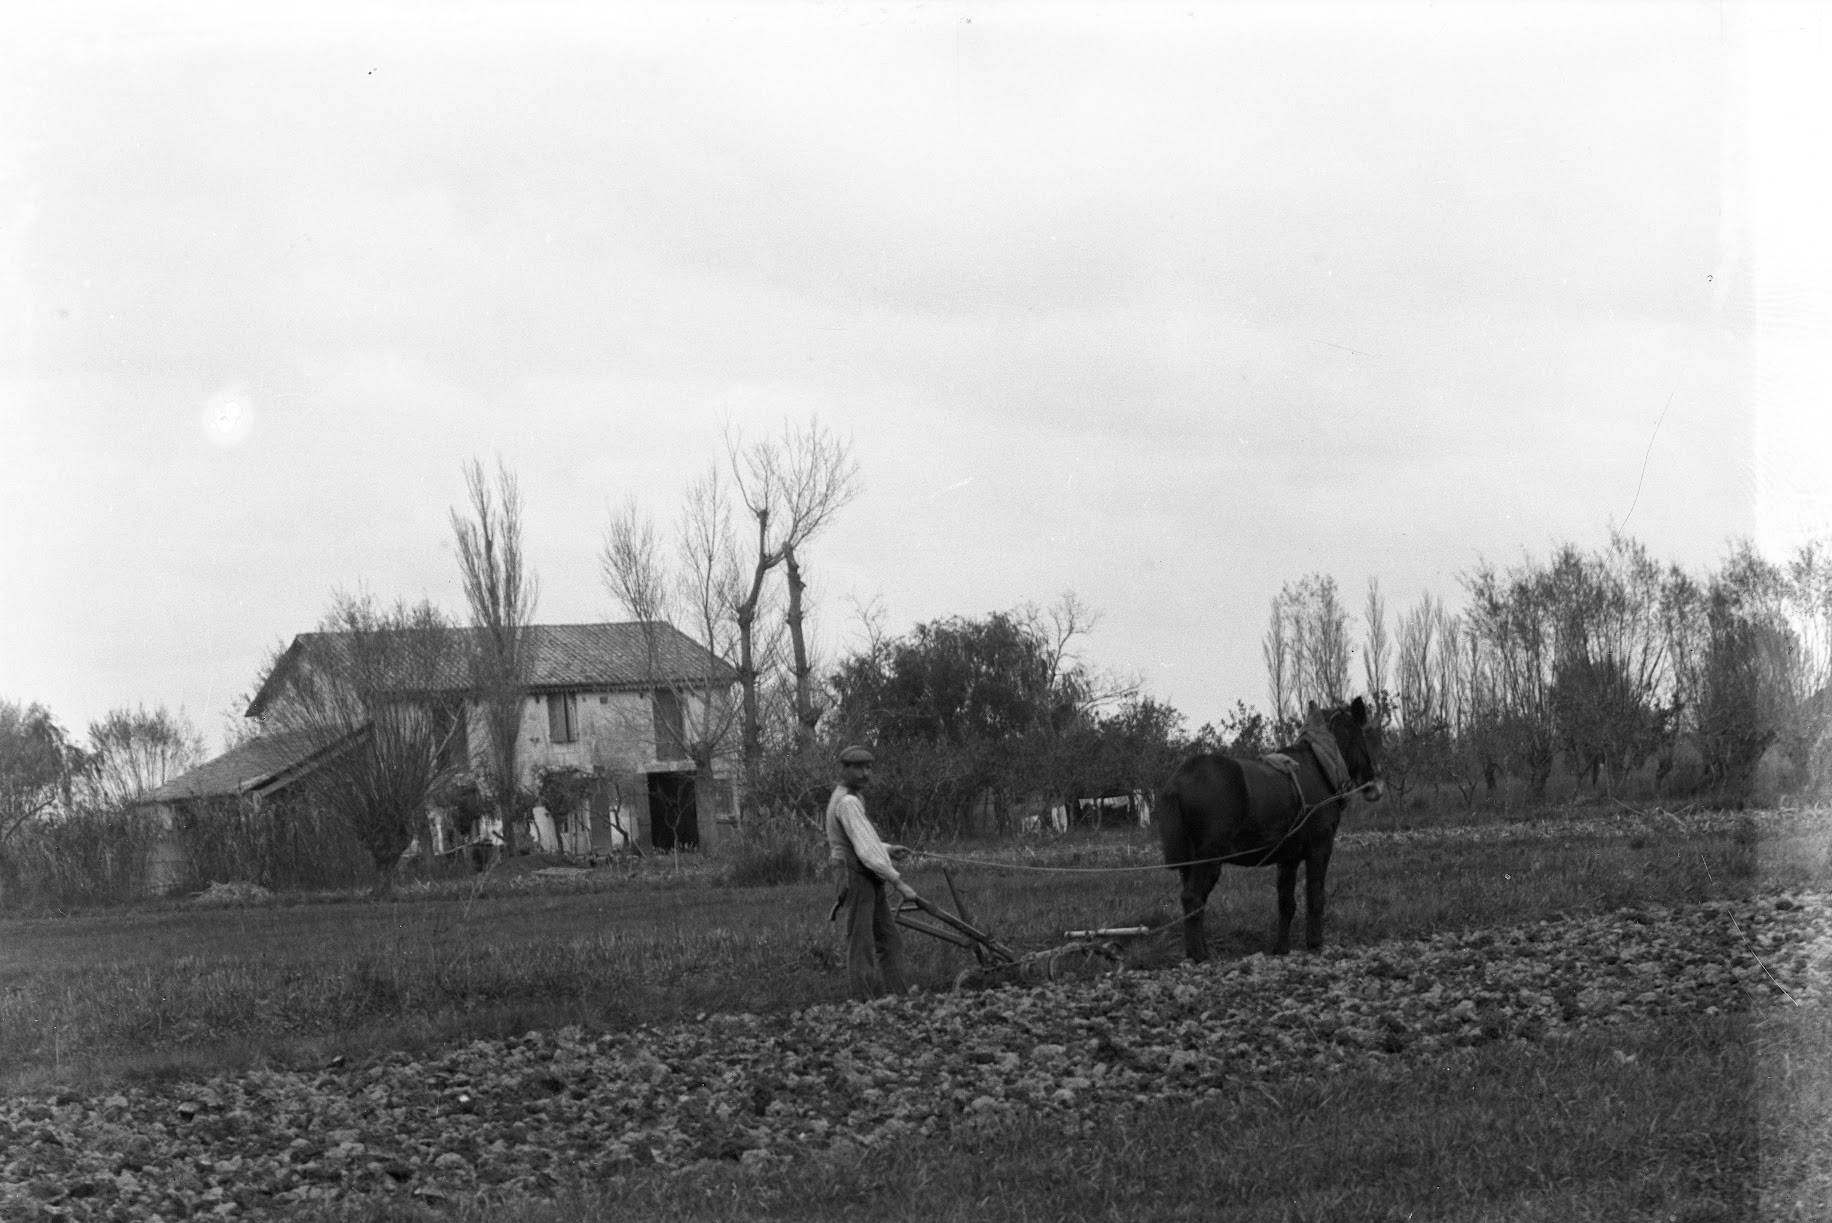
[1162, 304]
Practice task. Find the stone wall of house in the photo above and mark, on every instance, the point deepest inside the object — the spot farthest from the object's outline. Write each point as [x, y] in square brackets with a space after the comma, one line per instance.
[615, 737]
[614, 733]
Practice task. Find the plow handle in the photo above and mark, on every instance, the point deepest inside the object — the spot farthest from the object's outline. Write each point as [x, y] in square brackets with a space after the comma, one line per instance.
[999, 950]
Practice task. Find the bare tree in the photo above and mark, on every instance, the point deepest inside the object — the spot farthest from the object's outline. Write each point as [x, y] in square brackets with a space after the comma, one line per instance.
[1275, 647]
[1809, 610]
[133, 752]
[1377, 646]
[1420, 700]
[791, 487]
[1810, 605]
[358, 699]
[871, 617]
[1514, 614]
[1056, 629]
[1480, 741]
[1683, 630]
[687, 591]
[501, 592]
[1451, 677]
[1317, 640]
[1329, 645]
[809, 701]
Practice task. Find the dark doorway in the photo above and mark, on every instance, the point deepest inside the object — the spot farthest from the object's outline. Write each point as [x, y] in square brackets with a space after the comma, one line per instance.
[674, 817]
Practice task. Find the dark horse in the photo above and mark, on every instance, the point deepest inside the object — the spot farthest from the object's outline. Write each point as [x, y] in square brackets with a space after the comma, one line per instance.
[1218, 811]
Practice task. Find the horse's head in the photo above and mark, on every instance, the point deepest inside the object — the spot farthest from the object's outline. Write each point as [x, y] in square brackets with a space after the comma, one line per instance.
[1348, 725]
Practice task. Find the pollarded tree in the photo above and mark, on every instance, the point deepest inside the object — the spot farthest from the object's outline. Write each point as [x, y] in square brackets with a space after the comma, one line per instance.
[358, 700]
[791, 487]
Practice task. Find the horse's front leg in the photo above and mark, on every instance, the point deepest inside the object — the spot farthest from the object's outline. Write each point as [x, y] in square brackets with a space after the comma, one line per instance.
[1198, 881]
[1316, 870]
[1288, 905]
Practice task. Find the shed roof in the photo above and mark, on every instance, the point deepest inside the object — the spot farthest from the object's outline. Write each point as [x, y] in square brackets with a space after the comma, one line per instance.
[263, 763]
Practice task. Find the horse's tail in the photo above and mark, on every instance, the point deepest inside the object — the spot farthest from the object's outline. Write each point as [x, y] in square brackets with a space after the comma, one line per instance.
[1168, 816]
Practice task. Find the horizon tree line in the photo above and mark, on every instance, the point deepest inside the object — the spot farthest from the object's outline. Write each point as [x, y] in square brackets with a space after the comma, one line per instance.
[1602, 659]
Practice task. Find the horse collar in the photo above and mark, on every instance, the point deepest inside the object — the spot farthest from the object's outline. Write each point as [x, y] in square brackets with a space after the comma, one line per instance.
[1323, 750]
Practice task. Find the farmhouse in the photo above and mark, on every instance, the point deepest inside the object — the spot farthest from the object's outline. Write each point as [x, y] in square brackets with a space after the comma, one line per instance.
[619, 710]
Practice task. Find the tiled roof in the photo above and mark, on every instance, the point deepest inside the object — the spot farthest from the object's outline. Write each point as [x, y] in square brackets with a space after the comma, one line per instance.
[590, 655]
[251, 766]
[564, 656]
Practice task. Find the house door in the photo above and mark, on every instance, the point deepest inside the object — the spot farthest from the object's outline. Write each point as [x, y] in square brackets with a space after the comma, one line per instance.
[674, 818]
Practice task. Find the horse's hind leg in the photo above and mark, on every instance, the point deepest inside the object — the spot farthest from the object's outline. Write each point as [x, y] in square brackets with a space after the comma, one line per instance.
[1198, 881]
[1288, 905]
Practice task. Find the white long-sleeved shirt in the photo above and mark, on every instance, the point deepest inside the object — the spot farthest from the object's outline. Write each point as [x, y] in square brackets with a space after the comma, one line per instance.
[850, 835]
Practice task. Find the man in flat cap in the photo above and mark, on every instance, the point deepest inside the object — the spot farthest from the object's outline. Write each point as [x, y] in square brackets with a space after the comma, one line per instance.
[865, 878]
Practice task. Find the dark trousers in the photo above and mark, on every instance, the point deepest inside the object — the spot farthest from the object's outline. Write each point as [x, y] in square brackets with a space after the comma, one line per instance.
[874, 944]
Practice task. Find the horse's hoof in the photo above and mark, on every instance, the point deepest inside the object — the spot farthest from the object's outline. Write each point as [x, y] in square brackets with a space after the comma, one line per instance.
[1281, 951]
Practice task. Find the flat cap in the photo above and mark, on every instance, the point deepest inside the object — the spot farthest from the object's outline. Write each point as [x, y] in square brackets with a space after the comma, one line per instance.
[855, 755]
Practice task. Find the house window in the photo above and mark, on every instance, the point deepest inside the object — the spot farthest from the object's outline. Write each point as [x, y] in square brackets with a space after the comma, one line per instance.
[563, 717]
[670, 726]
[454, 736]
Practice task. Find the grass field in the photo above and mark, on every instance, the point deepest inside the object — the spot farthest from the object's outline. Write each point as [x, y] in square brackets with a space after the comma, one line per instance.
[170, 990]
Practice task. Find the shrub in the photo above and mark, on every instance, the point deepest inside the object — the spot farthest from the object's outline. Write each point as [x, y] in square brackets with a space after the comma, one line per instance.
[795, 783]
[775, 853]
[288, 845]
[90, 857]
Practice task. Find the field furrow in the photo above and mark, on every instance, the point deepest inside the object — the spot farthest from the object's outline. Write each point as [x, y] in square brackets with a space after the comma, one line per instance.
[535, 1115]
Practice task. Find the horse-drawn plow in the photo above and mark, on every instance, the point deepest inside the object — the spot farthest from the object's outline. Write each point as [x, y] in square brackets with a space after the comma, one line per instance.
[1089, 953]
